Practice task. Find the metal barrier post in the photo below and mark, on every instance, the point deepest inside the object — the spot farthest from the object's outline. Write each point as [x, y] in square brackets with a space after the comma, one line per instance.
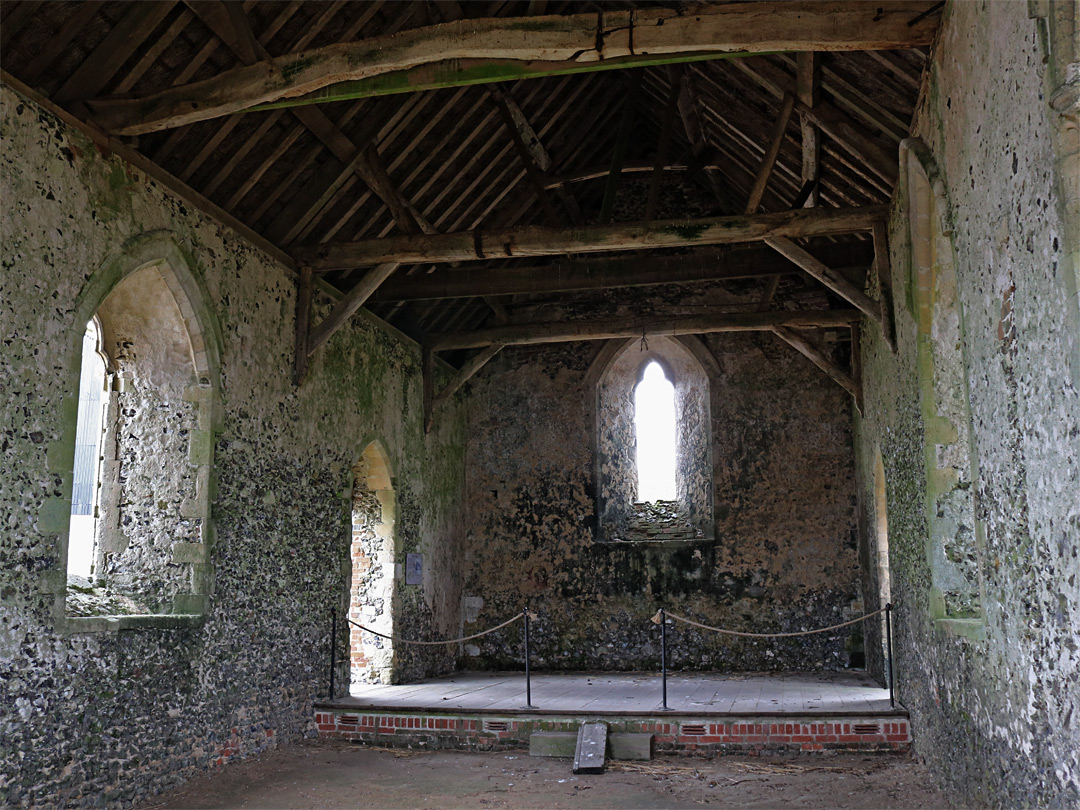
[888, 641]
[528, 680]
[333, 648]
[663, 654]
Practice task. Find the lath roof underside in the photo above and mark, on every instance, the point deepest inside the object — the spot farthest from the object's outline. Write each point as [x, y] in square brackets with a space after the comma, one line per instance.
[449, 152]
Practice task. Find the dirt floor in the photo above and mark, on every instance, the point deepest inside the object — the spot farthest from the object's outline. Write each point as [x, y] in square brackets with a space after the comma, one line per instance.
[330, 774]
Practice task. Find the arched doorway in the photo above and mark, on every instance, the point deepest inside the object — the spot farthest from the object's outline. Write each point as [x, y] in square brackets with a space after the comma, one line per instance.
[371, 584]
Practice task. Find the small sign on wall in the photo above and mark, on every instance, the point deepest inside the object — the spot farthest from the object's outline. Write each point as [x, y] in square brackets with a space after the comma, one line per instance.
[414, 569]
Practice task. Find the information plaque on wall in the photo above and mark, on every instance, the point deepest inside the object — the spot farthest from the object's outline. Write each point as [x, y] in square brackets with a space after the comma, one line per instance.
[414, 569]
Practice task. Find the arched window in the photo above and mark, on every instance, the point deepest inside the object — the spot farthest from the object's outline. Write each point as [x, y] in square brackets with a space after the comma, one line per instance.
[627, 426]
[654, 424]
[137, 541]
[86, 477]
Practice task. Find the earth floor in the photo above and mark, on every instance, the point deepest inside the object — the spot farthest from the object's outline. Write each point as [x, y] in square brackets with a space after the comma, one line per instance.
[333, 774]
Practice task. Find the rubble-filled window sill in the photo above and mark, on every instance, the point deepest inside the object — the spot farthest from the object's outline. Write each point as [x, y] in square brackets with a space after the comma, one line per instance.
[103, 624]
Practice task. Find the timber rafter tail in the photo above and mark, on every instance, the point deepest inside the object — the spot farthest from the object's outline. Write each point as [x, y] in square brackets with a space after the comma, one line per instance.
[558, 43]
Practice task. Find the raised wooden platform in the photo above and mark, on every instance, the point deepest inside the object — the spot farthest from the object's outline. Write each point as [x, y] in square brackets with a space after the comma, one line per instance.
[707, 713]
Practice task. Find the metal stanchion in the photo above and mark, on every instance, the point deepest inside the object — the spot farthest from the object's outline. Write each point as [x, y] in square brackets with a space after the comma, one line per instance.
[528, 679]
[333, 648]
[888, 641]
[663, 654]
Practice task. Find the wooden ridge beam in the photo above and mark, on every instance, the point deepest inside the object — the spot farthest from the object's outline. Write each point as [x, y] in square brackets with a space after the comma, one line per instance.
[556, 41]
[637, 326]
[572, 276]
[541, 241]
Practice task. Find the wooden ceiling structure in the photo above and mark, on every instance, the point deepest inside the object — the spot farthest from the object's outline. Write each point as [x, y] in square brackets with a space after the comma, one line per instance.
[462, 168]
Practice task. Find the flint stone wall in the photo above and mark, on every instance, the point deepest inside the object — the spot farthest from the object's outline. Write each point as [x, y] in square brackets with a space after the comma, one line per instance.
[116, 715]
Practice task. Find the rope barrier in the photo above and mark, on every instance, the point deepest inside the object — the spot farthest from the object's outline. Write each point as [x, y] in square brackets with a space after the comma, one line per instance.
[657, 619]
[397, 640]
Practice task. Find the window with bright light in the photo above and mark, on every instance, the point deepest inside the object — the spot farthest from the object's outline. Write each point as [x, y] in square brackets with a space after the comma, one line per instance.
[87, 471]
[654, 420]
[653, 446]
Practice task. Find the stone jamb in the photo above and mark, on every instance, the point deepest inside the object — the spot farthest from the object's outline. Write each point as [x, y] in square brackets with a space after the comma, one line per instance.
[178, 270]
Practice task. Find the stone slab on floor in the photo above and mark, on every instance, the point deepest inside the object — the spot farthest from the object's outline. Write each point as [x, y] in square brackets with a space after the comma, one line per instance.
[591, 753]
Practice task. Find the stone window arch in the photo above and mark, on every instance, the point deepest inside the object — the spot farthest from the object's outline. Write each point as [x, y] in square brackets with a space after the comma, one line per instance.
[153, 530]
[953, 542]
[615, 375]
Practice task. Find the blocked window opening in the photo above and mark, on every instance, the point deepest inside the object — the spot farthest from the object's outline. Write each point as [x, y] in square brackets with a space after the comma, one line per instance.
[136, 538]
[653, 456]
[952, 543]
[654, 422]
[371, 582]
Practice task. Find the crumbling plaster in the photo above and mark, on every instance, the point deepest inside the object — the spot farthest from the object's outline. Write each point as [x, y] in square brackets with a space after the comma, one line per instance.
[95, 712]
[994, 700]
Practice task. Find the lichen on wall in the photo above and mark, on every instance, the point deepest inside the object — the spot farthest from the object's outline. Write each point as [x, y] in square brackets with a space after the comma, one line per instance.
[99, 714]
[993, 698]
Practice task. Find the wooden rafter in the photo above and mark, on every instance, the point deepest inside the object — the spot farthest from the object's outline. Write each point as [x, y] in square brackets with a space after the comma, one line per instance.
[539, 241]
[662, 146]
[559, 42]
[622, 142]
[626, 327]
[232, 27]
[109, 56]
[837, 124]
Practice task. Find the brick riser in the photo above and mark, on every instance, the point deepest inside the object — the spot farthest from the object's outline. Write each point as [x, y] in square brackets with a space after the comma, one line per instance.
[670, 735]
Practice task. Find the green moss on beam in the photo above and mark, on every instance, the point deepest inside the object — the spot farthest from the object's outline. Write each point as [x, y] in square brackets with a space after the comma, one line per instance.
[461, 73]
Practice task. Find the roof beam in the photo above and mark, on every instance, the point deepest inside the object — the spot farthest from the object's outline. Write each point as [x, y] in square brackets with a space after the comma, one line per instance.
[636, 326]
[540, 241]
[553, 43]
[570, 276]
